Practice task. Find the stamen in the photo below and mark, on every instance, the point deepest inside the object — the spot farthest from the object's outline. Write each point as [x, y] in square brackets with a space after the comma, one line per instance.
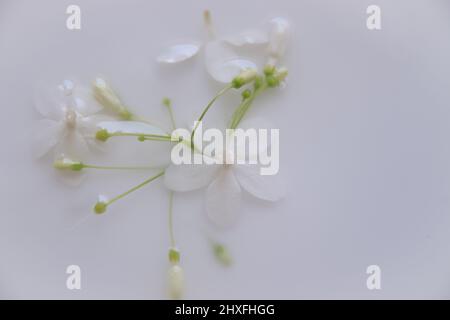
[209, 25]
[101, 206]
[166, 102]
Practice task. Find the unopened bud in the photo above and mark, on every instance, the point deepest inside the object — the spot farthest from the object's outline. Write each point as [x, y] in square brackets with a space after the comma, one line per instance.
[64, 163]
[109, 99]
[102, 135]
[174, 256]
[243, 78]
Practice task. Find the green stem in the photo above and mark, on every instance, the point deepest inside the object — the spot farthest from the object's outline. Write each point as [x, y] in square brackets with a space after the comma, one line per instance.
[171, 233]
[219, 94]
[120, 196]
[242, 109]
[146, 136]
[91, 166]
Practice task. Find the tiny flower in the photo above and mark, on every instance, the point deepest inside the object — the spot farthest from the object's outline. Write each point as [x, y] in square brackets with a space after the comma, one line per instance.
[224, 185]
[175, 281]
[70, 119]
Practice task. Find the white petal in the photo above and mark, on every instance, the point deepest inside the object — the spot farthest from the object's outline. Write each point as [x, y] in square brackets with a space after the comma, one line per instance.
[187, 177]
[265, 187]
[248, 37]
[223, 64]
[133, 127]
[223, 199]
[84, 101]
[178, 52]
[73, 144]
[71, 178]
[48, 102]
[46, 135]
[278, 38]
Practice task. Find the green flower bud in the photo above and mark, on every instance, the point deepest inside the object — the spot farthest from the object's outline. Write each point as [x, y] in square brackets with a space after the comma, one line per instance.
[246, 94]
[272, 81]
[269, 70]
[102, 135]
[174, 256]
[100, 207]
[166, 102]
[222, 254]
[243, 78]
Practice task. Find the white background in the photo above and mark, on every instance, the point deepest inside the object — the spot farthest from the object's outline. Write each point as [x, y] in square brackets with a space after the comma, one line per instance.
[365, 153]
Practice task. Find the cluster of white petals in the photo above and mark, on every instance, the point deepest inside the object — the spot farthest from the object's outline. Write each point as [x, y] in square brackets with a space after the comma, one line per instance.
[70, 119]
[222, 57]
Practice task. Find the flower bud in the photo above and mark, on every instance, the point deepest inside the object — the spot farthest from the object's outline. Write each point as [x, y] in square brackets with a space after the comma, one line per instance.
[109, 99]
[100, 207]
[174, 256]
[64, 163]
[175, 281]
[102, 135]
[222, 254]
[246, 94]
[243, 78]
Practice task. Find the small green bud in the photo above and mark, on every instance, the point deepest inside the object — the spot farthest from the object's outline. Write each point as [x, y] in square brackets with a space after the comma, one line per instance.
[102, 135]
[64, 163]
[243, 78]
[166, 102]
[174, 256]
[269, 70]
[100, 207]
[125, 114]
[272, 81]
[246, 94]
[141, 138]
[222, 254]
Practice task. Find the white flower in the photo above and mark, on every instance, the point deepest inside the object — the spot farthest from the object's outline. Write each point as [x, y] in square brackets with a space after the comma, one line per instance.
[224, 183]
[222, 60]
[70, 124]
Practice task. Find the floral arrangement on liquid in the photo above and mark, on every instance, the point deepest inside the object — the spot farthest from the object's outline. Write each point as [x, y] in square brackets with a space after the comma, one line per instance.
[78, 119]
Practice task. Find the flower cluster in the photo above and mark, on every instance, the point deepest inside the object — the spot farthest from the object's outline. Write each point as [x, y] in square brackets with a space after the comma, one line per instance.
[78, 120]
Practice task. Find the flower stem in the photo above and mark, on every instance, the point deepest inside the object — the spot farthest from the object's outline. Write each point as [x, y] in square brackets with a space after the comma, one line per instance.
[171, 233]
[142, 136]
[242, 109]
[91, 166]
[219, 94]
[120, 196]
